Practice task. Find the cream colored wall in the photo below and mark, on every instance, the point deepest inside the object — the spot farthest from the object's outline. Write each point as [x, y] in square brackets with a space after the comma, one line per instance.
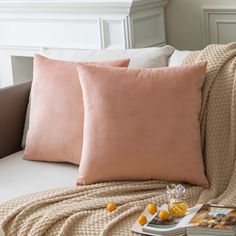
[184, 21]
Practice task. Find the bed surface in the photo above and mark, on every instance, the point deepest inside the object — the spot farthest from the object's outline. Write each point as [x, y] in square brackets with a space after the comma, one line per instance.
[19, 177]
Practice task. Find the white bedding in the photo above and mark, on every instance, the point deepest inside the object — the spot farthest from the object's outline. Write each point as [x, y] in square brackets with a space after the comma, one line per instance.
[19, 177]
[177, 58]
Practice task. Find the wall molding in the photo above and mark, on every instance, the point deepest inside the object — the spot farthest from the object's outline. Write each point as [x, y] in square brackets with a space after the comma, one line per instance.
[99, 12]
[213, 18]
[28, 25]
[152, 40]
[110, 6]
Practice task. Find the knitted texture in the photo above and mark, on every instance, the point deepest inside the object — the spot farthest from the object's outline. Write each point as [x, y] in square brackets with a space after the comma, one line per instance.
[81, 211]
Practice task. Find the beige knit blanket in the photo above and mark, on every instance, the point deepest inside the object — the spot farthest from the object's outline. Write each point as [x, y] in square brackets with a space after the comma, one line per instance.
[81, 211]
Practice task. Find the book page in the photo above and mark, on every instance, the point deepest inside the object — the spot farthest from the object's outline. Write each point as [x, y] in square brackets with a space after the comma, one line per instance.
[215, 217]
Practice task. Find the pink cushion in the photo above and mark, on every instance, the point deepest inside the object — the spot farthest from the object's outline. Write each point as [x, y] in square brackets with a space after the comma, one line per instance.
[142, 124]
[56, 118]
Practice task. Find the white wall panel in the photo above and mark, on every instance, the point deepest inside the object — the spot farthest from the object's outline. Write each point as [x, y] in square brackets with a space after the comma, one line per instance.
[25, 26]
[142, 35]
[186, 28]
[77, 33]
[226, 31]
[219, 24]
[114, 34]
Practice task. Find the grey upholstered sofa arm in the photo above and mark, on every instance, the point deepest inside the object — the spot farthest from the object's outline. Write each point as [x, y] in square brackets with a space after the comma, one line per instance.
[13, 105]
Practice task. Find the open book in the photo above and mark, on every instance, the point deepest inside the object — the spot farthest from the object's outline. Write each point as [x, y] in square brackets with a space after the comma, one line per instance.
[200, 220]
[213, 220]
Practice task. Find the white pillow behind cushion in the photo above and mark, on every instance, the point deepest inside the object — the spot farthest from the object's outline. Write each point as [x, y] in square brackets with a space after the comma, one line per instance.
[177, 58]
[139, 58]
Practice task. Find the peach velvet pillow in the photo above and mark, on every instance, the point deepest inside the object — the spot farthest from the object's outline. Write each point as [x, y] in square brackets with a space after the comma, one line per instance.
[142, 124]
[56, 116]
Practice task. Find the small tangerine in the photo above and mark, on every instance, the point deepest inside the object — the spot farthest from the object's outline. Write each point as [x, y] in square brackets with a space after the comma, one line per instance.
[111, 207]
[152, 208]
[142, 220]
[164, 215]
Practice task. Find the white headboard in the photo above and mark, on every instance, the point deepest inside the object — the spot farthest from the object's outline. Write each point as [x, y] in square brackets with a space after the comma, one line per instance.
[28, 25]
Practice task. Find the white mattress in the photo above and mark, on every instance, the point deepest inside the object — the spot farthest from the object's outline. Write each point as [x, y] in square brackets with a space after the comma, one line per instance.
[19, 177]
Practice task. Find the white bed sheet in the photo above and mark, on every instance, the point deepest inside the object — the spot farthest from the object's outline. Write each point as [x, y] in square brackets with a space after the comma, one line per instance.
[19, 177]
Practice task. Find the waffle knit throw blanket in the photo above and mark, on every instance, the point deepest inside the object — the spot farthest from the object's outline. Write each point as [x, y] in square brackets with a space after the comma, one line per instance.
[81, 211]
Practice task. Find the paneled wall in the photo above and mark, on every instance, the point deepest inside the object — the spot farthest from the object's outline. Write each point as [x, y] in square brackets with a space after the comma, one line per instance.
[191, 24]
[26, 26]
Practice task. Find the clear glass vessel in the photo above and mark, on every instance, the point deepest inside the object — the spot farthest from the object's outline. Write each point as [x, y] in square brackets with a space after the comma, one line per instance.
[176, 196]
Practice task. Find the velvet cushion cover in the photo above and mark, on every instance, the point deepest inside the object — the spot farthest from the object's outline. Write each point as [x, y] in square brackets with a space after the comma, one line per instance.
[142, 124]
[56, 120]
[152, 57]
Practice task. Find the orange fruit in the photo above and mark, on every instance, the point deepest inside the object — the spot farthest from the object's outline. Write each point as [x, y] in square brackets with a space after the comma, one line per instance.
[152, 208]
[164, 215]
[142, 220]
[111, 207]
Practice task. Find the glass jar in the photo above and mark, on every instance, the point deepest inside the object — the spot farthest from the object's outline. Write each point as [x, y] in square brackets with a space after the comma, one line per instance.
[176, 196]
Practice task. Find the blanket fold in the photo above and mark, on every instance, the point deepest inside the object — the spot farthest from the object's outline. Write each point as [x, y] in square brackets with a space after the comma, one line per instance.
[81, 211]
